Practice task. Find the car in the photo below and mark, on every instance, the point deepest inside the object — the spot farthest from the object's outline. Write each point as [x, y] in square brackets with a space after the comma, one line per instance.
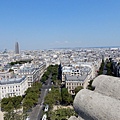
[49, 89]
[44, 117]
[27, 118]
[46, 108]
[51, 83]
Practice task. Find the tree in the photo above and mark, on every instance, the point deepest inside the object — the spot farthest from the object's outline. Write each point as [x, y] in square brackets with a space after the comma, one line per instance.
[66, 97]
[31, 97]
[12, 116]
[109, 68]
[53, 97]
[43, 79]
[61, 114]
[9, 106]
[77, 89]
[101, 68]
[27, 104]
[17, 102]
[90, 87]
[11, 70]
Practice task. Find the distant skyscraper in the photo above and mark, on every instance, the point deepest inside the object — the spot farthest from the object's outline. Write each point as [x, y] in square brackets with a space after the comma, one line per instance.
[16, 48]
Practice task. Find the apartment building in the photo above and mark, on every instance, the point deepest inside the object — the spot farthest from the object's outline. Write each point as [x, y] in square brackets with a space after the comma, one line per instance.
[13, 87]
[66, 71]
[6, 75]
[33, 74]
[78, 77]
[71, 82]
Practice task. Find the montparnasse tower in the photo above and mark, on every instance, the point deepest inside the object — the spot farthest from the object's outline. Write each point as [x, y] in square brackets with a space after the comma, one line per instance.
[16, 48]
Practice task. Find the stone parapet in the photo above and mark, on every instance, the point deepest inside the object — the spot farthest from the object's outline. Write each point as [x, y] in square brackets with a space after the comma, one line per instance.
[107, 85]
[101, 104]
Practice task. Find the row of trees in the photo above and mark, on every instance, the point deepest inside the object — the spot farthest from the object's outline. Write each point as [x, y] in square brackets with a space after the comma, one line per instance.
[109, 67]
[53, 97]
[58, 96]
[31, 97]
[53, 70]
[45, 77]
[77, 89]
[20, 62]
[101, 68]
[10, 106]
[61, 114]
[16, 107]
[90, 87]
[67, 98]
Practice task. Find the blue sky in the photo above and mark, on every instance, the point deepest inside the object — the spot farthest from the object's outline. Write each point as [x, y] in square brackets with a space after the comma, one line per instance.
[44, 24]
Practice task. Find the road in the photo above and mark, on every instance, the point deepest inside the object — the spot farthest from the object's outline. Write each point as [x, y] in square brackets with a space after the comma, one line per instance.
[37, 111]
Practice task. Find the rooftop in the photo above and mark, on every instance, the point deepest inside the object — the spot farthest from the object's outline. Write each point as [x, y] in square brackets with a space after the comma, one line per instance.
[75, 78]
[11, 81]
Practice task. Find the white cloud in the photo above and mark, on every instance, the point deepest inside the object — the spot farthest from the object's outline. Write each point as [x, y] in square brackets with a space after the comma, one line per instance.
[66, 43]
[61, 42]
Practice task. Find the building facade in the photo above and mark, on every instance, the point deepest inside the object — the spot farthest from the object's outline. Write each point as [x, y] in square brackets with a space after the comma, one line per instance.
[13, 87]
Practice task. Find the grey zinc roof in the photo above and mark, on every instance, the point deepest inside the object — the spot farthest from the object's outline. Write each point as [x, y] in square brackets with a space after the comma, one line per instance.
[27, 69]
[75, 78]
[11, 81]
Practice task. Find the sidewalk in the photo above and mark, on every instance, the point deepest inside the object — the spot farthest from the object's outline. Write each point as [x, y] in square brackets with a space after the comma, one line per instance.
[1, 115]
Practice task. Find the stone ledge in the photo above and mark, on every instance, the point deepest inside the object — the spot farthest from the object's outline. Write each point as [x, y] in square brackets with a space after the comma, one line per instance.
[101, 104]
[107, 85]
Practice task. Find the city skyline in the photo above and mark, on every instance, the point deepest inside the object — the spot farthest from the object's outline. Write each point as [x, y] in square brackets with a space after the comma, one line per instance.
[59, 24]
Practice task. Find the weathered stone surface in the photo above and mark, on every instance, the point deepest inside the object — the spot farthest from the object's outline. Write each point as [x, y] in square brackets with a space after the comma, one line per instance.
[107, 85]
[91, 105]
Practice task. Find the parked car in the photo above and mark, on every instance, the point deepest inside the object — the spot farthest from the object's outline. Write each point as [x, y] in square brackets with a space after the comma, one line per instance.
[27, 118]
[49, 89]
[46, 108]
[44, 117]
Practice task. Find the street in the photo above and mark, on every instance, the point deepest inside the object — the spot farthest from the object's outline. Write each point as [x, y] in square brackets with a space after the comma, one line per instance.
[37, 111]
